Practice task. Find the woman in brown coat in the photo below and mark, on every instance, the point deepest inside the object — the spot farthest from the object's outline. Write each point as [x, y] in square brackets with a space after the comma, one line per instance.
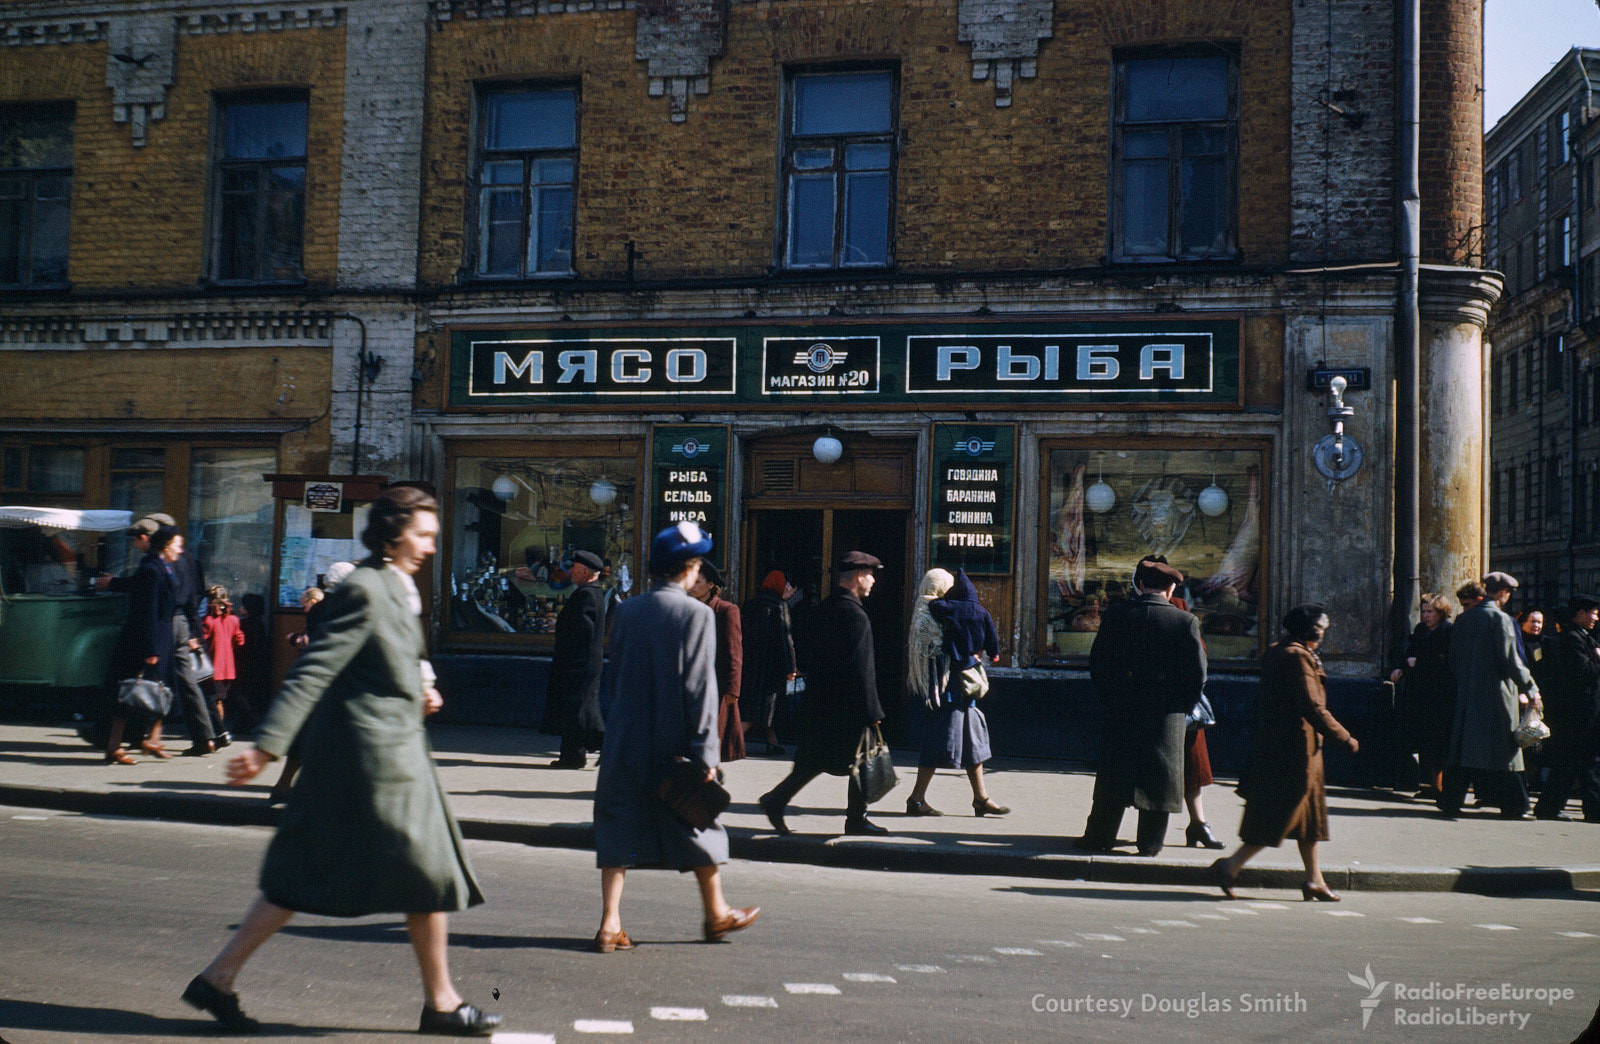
[1283, 794]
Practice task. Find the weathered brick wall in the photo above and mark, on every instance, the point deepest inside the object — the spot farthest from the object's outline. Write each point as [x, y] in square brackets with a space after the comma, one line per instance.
[1343, 166]
[1451, 161]
[139, 213]
[979, 187]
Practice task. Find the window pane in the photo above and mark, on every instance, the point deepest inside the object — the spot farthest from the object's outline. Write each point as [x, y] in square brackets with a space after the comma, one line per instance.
[55, 469]
[286, 198]
[811, 220]
[499, 231]
[1145, 144]
[264, 130]
[1204, 217]
[866, 219]
[842, 103]
[1144, 207]
[50, 226]
[813, 159]
[11, 239]
[35, 136]
[129, 459]
[1175, 88]
[507, 172]
[236, 245]
[1156, 510]
[540, 512]
[552, 249]
[531, 120]
[11, 468]
[230, 517]
[866, 157]
[1205, 141]
[553, 172]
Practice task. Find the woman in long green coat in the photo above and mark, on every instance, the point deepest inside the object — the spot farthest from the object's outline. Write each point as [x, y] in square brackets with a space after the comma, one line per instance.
[367, 828]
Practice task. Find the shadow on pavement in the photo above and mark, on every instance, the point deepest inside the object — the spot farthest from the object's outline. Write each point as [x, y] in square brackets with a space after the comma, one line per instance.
[1117, 894]
[83, 1021]
[395, 932]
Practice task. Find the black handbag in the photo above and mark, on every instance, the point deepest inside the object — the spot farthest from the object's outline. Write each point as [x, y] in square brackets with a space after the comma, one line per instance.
[144, 695]
[873, 770]
[692, 797]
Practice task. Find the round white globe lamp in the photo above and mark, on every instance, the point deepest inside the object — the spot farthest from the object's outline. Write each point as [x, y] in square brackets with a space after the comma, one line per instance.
[827, 449]
[1213, 500]
[504, 488]
[602, 492]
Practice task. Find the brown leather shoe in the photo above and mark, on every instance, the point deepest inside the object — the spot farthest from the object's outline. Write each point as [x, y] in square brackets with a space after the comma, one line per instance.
[605, 942]
[120, 757]
[736, 919]
[155, 750]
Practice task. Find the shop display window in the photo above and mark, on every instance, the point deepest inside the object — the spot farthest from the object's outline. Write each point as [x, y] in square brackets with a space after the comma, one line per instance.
[230, 516]
[515, 522]
[1202, 508]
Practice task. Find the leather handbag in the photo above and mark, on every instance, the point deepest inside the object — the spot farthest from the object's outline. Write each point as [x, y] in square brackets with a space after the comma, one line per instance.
[145, 695]
[873, 770]
[1531, 730]
[692, 797]
[204, 669]
[1200, 715]
[974, 681]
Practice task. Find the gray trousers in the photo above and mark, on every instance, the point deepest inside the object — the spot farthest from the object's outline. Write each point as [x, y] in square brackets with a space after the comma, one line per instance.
[196, 718]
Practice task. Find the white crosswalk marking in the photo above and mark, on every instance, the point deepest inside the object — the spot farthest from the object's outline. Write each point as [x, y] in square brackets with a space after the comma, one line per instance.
[1344, 913]
[970, 958]
[823, 988]
[523, 1038]
[1239, 911]
[867, 977]
[1017, 951]
[1269, 906]
[1102, 937]
[1178, 924]
[1498, 927]
[1577, 935]
[1057, 942]
[1210, 917]
[923, 969]
[32, 819]
[603, 1025]
[1420, 920]
[740, 1000]
[679, 1014]
[1138, 931]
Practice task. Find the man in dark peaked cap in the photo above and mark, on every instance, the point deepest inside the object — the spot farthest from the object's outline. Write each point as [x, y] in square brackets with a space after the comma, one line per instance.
[572, 700]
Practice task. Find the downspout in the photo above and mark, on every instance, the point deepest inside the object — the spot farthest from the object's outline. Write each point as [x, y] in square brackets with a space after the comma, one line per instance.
[1569, 346]
[1408, 352]
[366, 370]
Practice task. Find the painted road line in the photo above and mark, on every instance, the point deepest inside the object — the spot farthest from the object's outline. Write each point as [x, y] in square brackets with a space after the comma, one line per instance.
[826, 989]
[1209, 917]
[1498, 927]
[1577, 935]
[1102, 937]
[1344, 913]
[1137, 931]
[741, 1000]
[523, 1038]
[921, 969]
[1017, 951]
[603, 1025]
[867, 977]
[679, 1014]
[1176, 924]
[1419, 920]
[1269, 906]
[970, 958]
[1057, 942]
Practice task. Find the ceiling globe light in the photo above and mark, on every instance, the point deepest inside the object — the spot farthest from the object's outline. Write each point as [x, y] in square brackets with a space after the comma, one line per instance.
[504, 488]
[1100, 497]
[827, 449]
[1213, 500]
[602, 492]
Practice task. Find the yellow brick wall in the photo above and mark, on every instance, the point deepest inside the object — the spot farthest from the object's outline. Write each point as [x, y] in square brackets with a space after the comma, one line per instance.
[978, 187]
[139, 214]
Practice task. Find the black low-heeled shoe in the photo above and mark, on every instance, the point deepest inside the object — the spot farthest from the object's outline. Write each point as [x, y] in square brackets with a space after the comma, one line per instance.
[465, 1021]
[1199, 835]
[917, 807]
[984, 807]
[223, 1006]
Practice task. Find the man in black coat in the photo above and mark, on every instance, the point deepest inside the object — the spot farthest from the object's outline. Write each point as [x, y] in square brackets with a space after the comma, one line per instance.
[572, 699]
[1572, 710]
[841, 702]
[1149, 668]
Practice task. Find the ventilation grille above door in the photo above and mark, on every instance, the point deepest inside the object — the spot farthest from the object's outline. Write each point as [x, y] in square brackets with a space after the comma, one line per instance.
[777, 476]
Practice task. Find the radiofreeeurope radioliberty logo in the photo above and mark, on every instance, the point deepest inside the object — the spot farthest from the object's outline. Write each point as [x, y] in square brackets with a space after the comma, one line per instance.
[1458, 1004]
[1374, 988]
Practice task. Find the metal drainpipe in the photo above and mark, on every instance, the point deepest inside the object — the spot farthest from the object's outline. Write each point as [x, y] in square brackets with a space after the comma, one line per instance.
[361, 384]
[1569, 346]
[1408, 353]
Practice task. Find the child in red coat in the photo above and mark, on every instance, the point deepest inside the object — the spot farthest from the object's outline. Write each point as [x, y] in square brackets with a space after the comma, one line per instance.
[223, 635]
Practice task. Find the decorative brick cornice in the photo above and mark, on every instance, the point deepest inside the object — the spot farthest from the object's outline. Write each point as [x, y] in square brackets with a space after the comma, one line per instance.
[173, 330]
[441, 11]
[15, 34]
[216, 23]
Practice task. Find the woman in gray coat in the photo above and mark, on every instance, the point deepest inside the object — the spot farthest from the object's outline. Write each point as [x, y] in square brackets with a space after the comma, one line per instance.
[367, 828]
[662, 709]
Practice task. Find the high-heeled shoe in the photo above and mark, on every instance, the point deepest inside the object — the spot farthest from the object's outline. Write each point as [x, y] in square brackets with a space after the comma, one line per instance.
[120, 757]
[1199, 835]
[155, 750]
[985, 807]
[1225, 880]
[919, 807]
[1319, 893]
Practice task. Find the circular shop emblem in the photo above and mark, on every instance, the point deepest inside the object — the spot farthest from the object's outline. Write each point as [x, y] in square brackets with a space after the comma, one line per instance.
[820, 358]
[973, 446]
[690, 448]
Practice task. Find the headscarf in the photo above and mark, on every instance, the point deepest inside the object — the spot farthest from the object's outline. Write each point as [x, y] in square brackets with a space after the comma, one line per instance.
[775, 582]
[969, 631]
[926, 639]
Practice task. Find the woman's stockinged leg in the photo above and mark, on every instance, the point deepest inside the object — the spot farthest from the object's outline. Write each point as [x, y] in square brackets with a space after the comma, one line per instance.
[975, 777]
[260, 923]
[611, 882]
[430, 940]
[1308, 856]
[709, 878]
[919, 793]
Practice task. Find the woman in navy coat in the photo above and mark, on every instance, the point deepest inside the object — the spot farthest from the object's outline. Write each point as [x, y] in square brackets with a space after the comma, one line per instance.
[145, 649]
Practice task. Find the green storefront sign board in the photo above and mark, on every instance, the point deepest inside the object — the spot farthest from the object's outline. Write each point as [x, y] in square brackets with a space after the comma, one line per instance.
[689, 480]
[972, 490]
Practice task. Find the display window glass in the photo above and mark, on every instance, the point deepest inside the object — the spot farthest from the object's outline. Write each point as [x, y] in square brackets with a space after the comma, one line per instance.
[515, 521]
[1108, 507]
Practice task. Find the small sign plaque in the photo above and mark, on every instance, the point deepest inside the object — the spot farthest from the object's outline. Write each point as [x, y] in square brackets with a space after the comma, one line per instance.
[324, 496]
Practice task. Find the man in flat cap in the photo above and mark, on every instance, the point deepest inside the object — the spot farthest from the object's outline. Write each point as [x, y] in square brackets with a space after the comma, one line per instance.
[572, 699]
[1572, 710]
[1492, 681]
[1149, 668]
[841, 702]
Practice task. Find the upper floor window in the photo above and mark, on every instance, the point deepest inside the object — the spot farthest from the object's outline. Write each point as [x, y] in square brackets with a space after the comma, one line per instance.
[260, 184]
[524, 197]
[1514, 175]
[35, 193]
[838, 169]
[1174, 157]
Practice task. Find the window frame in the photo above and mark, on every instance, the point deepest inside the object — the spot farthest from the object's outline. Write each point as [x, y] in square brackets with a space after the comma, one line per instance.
[221, 164]
[789, 143]
[471, 263]
[30, 177]
[1115, 232]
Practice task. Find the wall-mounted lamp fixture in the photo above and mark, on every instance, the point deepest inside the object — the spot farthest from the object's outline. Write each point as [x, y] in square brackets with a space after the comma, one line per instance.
[827, 449]
[1337, 455]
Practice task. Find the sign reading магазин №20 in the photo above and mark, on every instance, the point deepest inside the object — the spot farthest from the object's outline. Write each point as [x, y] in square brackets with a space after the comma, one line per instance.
[1178, 363]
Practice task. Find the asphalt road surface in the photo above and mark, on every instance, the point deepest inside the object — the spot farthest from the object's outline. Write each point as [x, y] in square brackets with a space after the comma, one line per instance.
[104, 920]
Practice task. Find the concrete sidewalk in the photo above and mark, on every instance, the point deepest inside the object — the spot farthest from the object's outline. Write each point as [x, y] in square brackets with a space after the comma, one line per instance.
[502, 789]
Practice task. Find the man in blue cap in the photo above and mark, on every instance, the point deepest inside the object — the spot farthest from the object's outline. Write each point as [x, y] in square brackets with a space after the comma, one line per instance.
[663, 708]
[841, 696]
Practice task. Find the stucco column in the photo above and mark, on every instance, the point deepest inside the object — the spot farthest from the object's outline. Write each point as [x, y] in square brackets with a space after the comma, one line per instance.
[1455, 305]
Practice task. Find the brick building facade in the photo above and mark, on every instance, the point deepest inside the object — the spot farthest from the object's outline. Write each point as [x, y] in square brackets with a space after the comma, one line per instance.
[1052, 279]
